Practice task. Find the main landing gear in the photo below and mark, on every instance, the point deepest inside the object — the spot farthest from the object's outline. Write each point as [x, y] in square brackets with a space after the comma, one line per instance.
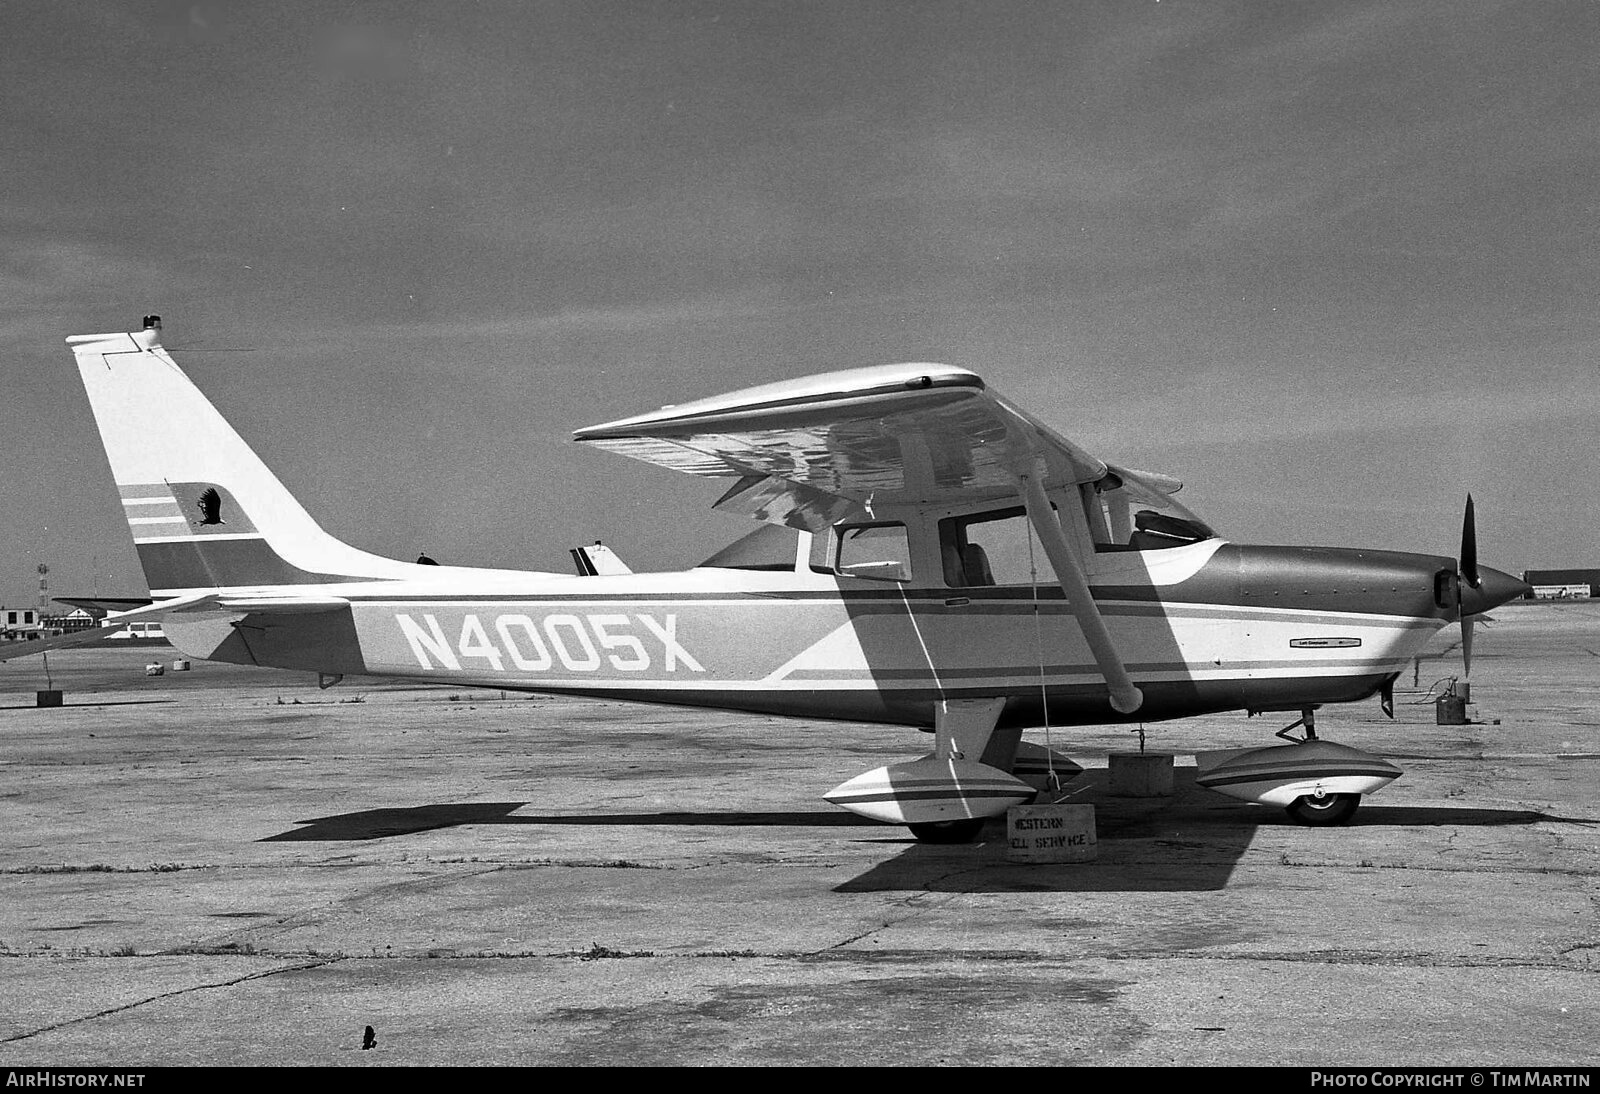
[945, 797]
[951, 831]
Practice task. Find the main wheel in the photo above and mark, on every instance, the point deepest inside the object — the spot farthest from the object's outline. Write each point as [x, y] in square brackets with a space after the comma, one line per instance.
[1330, 809]
[950, 831]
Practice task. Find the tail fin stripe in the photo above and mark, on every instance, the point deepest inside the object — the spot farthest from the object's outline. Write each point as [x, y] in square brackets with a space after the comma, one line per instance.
[186, 538]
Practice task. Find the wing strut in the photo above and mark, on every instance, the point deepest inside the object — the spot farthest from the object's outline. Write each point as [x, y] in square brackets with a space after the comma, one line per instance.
[1125, 697]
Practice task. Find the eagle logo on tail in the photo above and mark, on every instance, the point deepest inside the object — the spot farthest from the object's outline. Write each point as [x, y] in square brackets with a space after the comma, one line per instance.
[210, 506]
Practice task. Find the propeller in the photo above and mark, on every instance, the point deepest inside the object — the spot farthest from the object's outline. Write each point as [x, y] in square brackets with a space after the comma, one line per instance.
[1467, 573]
[1479, 588]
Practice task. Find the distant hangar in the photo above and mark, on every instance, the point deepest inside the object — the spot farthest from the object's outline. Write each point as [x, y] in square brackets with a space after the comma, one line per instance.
[1563, 584]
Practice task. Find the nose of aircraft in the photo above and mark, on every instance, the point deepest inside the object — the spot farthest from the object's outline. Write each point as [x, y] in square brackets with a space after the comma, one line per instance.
[1494, 588]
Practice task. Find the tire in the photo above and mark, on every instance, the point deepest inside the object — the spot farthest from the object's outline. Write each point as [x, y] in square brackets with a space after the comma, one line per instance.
[951, 831]
[1324, 812]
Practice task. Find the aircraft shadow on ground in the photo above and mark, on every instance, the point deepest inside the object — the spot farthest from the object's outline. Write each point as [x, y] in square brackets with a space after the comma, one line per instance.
[1188, 842]
[382, 823]
[90, 703]
[1422, 816]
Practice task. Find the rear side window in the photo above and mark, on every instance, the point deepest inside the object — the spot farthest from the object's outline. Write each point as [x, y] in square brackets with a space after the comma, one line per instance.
[880, 550]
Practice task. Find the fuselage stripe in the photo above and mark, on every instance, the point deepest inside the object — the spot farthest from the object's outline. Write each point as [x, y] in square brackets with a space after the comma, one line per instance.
[857, 609]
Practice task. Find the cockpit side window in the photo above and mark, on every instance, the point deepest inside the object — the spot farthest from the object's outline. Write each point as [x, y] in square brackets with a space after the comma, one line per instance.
[1128, 513]
[1152, 531]
[992, 549]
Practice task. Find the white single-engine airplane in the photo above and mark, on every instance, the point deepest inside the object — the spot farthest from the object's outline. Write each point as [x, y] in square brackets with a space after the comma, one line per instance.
[931, 556]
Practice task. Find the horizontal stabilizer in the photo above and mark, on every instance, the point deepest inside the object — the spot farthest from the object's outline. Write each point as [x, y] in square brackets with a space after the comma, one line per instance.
[182, 605]
[284, 605]
[10, 651]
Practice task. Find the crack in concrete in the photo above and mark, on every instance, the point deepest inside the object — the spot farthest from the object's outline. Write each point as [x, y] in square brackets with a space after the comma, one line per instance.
[1554, 871]
[931, 901]
[167, 995]
[52, 869]
[1370, 958]
[837, 952]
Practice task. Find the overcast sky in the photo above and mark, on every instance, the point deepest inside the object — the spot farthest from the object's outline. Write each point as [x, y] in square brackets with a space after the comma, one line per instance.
[1333, 265]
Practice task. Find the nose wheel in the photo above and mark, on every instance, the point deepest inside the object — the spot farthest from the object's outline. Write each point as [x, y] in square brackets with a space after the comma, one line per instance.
[1317, 810]
[1319, 782]
[1324, 810]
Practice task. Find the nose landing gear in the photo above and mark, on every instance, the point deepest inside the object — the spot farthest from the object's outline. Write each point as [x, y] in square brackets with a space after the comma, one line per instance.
[1318, 783]
[1323, 810]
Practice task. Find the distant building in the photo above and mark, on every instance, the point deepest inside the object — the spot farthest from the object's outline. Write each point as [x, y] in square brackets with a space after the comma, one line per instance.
[75, 620]
[133, 630]
[1563, 584]
[19, 623]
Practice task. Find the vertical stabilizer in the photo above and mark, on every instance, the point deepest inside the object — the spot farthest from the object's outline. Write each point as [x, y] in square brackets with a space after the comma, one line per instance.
[598, 560]
[204, 511]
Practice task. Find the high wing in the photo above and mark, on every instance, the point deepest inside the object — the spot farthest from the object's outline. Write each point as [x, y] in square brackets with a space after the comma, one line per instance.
[809, 453]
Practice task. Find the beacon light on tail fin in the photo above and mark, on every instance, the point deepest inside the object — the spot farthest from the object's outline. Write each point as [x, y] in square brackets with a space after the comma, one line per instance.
[932, 556]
